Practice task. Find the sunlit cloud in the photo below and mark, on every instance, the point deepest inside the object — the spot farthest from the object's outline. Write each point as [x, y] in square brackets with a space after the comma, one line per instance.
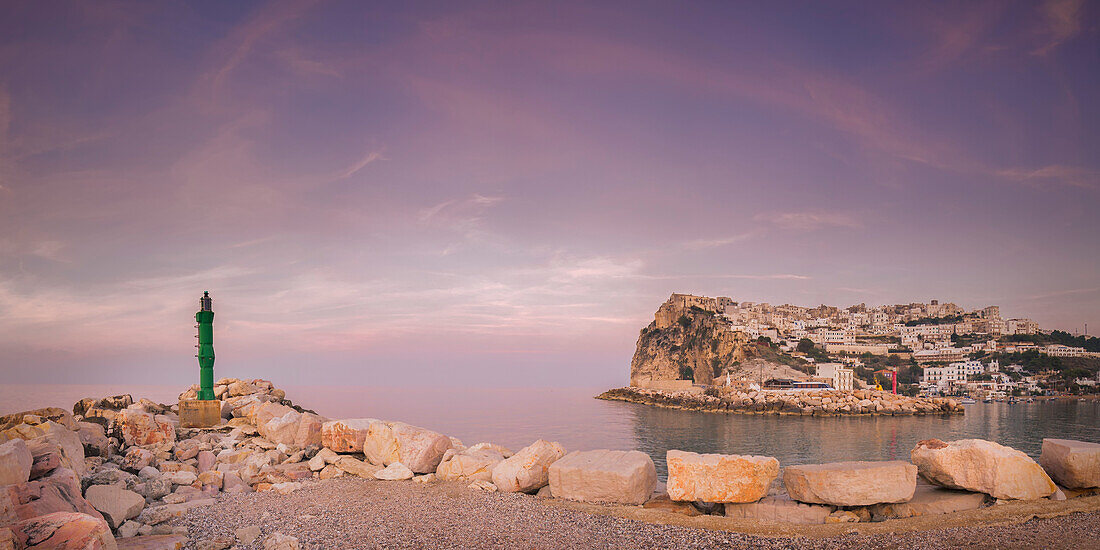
[807, 221]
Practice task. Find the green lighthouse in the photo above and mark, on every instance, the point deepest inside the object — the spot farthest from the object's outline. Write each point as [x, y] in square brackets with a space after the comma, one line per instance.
[205, 319]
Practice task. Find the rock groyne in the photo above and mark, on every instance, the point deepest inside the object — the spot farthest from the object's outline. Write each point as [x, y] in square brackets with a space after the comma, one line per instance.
[799, 403]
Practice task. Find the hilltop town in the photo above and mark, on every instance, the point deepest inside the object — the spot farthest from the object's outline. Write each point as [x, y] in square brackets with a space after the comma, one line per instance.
[931, 348]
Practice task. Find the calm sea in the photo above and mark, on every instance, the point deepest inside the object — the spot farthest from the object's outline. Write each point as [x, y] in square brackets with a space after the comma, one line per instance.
[516, 417]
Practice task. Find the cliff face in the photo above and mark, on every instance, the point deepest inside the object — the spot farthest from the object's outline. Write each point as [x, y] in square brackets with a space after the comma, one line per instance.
[685, 341]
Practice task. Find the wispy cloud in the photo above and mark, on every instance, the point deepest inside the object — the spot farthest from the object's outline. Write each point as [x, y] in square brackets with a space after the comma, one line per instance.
[1062, 20]
[361, 163]
[1055, 174]
[809, 220]
[701, 244]
[1062, 293]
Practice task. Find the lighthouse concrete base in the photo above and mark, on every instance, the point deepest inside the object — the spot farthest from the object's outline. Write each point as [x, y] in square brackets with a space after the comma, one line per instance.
[200, 414]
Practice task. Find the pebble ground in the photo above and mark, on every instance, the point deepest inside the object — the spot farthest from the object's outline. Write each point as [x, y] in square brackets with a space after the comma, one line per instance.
[355, 513]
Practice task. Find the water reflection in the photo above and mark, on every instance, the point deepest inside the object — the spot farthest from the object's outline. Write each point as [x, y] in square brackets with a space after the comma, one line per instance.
[798, 440]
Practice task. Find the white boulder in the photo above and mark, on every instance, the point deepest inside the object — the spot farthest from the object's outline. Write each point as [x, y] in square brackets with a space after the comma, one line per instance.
[623, 477]
[527, 470]
[719, 477]
[982, 466]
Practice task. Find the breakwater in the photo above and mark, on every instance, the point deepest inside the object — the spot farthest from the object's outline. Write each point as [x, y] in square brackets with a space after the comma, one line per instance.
[800, 403]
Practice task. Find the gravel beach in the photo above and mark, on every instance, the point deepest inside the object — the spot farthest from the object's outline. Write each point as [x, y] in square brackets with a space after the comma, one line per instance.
[355, 513]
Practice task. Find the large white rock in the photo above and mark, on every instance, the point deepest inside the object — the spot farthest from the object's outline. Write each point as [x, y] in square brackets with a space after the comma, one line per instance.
[394, 472]
[1073, 464]
[718, 477]
[982, 466]
[115, 503]
[142, 428]
[527, 470]
[471, 464]
[851, 483]
[420, 449]
[355, 467]
[282, 429]
[623, 477]
[345, 436]
[15, 462]
[309, 430]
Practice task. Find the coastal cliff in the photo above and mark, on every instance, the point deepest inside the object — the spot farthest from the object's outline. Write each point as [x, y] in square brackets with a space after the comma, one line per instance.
[685, 341]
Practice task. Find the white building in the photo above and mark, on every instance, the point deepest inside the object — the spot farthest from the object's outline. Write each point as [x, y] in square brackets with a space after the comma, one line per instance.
[843, 378]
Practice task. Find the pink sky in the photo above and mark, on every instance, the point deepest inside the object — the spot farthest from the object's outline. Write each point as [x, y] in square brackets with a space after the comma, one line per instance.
[502, 193]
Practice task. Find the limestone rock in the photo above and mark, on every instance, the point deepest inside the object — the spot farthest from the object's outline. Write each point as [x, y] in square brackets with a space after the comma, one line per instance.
[663, 502]
[58, 492]
[471, 465]
[418, 448]
[161, 514]
[115, 503]
[247, 534]
[380, 444]
[282, 429]
[15, 462]
[1072, 464]
[206, 461]
[355, 467]
[181, 477]
[718, 477]
[309, 430]
[141, 428]
[333, 471]
[929, 500]
[482, 485]
[982, 466]
[137, 458]
[279, 541]
[63, 530]
[394, 472]
[527, 470]
[93, 438]
[623, 477]
[780, 509]
[851, 483]
[345, 436]
[52, 414]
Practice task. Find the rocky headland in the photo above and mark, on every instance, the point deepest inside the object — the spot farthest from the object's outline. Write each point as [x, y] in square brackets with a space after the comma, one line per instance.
[115, 473]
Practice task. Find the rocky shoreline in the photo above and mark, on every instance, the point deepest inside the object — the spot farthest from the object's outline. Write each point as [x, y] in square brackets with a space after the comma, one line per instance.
[796, 403]
[116, 473]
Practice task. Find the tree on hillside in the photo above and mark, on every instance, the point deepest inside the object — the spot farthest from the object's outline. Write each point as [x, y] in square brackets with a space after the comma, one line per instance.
[805, 345]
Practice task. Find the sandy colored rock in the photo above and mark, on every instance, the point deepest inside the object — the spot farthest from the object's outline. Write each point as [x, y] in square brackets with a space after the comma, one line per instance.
[309, 430]
[141, 428]
[247, 534]
[15, 462]
[282, 429]
[622, 477]
[380, 444]
[527, 470]
[58, 492]
[394, 472]
[115, 503]
[471, 464]
[929, 500]
[419, 449]
[63, 531]
[1072, 464]
[345, 436]
[780, 509]
[355, 467]
[718, 477]
[279, 541]
[982, 466]
[851, 483]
